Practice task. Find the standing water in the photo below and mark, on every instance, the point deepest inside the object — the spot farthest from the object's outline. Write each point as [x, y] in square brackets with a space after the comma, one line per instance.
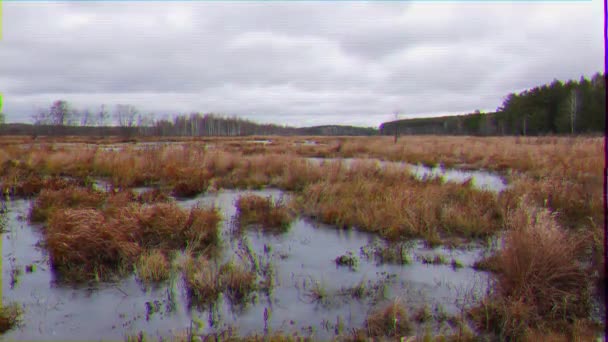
[304, 264]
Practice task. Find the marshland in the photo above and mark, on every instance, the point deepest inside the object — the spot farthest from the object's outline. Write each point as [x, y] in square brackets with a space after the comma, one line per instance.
[302, 238]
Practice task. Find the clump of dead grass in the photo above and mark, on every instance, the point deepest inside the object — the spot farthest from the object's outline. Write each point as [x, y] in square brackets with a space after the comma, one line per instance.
[489, 263]
[50, 200]
[153, 266]
[206, 280]
[153, 196]
[238, 280]
[106, 233]
[202, 278]
[82, 239]
[192, 185]
[269, 214]
[9, 316]
[541, 284]
[399, 206]
[166, 226]
[390, 321]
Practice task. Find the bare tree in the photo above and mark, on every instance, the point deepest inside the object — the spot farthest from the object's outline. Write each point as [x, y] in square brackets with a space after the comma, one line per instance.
[41, 117]
[59, 113]
[125, 115]
[103, 116]
[87, 118]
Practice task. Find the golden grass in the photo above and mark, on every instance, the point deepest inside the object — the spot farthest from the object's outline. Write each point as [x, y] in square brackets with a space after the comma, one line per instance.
[489, 263]
[402, 207]
[577, 202]
[390, 321]
[560, 175]
[153, 266]
[269, 214]
[541, 284]
[50, 200]
[202, 278]
[167, 226]
[153, 196]
[202, 228]
[82, 243]
[206, 280]
[91, 234]
[238, 280]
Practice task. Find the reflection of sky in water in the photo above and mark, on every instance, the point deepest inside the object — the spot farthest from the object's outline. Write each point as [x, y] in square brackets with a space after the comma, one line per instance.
[301, 256]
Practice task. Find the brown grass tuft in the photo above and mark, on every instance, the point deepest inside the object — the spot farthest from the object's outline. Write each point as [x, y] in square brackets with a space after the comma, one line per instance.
[490, 263]
[191, 187]
[9, 316]
[50, 200]
[390, 321]
[238, 280]
[81, 239]
[202, 228]
[252, 209]
[398, 206]
[202, 279]
[153, 266]
[153, 196]
[541, 283]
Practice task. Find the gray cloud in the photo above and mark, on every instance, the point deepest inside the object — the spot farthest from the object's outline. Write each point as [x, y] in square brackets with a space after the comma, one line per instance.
[295, 63]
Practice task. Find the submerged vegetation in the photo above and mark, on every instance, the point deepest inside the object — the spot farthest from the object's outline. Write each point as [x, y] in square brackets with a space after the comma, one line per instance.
[549, 217]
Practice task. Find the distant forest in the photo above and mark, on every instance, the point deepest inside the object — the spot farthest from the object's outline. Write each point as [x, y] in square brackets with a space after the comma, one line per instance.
[573, 107]
[126, 120]
[556, 108]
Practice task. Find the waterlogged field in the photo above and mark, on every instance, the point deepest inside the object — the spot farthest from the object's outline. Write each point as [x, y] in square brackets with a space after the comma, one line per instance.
[276, 238]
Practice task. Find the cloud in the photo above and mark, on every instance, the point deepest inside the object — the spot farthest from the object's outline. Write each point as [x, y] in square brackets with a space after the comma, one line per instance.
[299, 63]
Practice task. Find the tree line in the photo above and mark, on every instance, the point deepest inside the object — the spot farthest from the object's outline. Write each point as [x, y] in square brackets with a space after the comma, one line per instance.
[571, 107]
[61, 118]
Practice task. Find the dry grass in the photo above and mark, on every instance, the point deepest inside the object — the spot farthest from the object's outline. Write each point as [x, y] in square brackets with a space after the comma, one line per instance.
[202, 279]
[9, 316]
[82, 243]
[559, 174]
[576, 202]
[491, 263]
[389, 321]
[153, 266]
[230, 334]
[239, 281]
[269, 214]
[202, 228]
[106, 232]
[196, 183]
[153, 196]
[399, 206]
[541, 284]
[50, 200]
[168, 227]
[436, 259]
[206, 280]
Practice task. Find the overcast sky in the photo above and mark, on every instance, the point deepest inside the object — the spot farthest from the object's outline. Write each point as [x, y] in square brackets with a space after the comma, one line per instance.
[297, 63]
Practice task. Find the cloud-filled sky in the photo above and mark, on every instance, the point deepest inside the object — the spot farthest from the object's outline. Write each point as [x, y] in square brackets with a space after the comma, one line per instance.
[298, 63]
